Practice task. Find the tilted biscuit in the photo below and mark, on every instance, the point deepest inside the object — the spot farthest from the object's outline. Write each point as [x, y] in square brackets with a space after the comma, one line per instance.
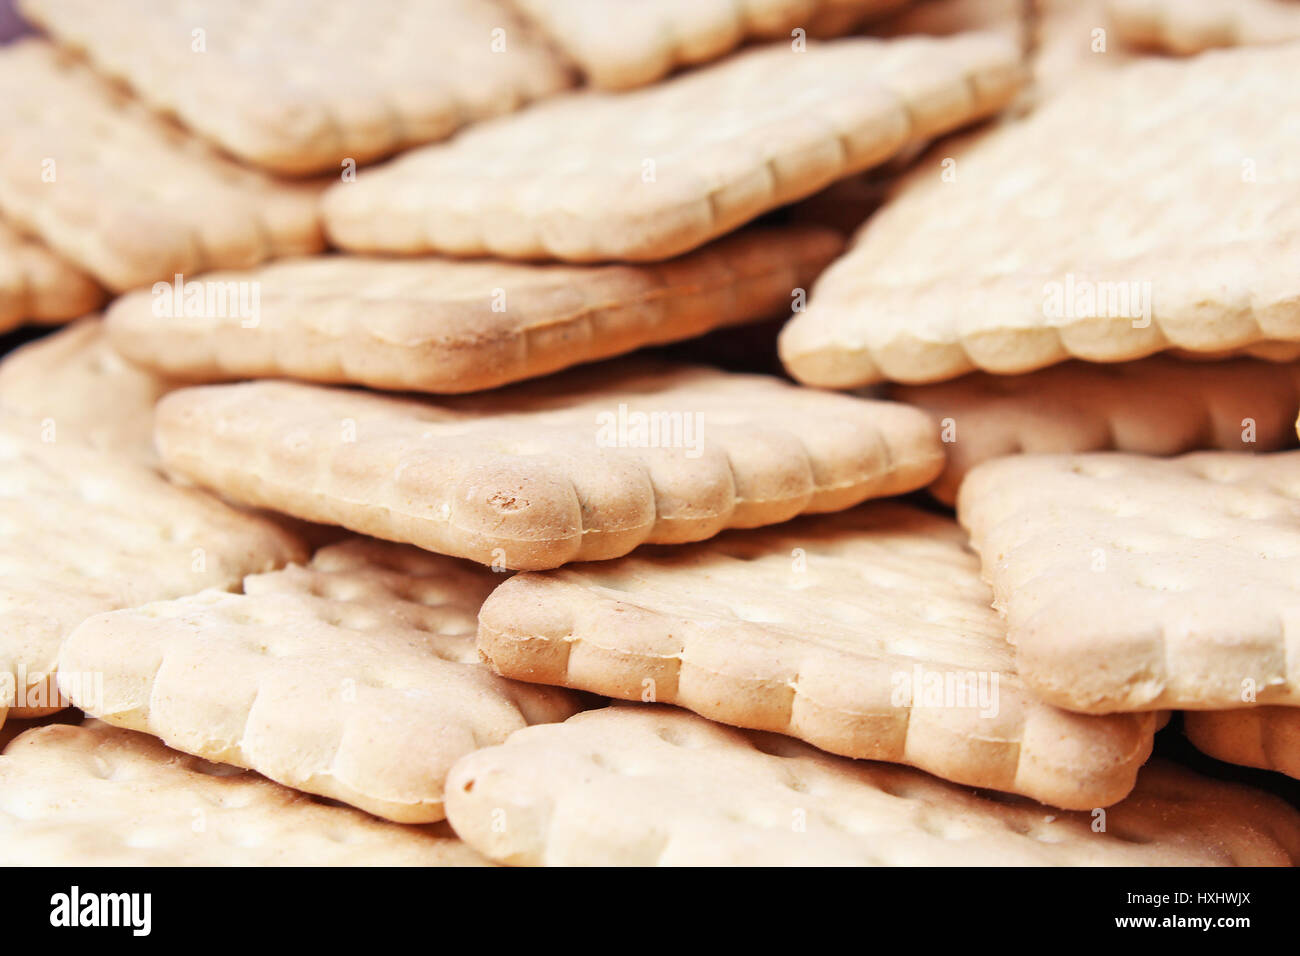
[94, 795]
[643, 785]
[653, 173]
[867, 634]
[300, 89]
[582, 466]
[622, 45]
[1155, 406]
[1037, 244]
[354, 678]
[1264, 737]
[74, 382]
[39, 286]
[1132, 583]
[124, 194]
[84, 531]
[1190, 26]
[447, 325]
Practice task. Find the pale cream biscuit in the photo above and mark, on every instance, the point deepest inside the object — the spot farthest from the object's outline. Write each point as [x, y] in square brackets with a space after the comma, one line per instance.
[1155, 406]
[1190, 26]
[75, 382]
[303, 88]
[654, 173]
[581, 466]
[1264, 737]
[1033, 243]
[621, 45]
[84, 531]
[867, 633]
[355, 677]
[36, 285]
[124, 194]
[447, 325]
[93, 795]
[644, 785]
[1133, 583]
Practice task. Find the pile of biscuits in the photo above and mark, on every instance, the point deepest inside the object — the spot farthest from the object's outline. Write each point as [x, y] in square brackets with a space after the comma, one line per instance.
[338, 525]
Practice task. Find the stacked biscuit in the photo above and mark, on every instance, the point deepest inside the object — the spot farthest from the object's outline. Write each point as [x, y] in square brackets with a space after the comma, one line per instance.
[351, 533]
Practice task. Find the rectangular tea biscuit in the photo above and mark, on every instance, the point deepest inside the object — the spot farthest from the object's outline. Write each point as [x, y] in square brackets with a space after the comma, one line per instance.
[1182, 575]
[1190, 26]
[621, 45]
[78, 387]
[94, 795]
[1264, 737]
[636, 785]
[650, 174]
[582, 466]
[124, 194]
[83, 531]
[355, 677]
[867, 634]
[37, 285]
[1155, 406]
[945, 279]
[299, 88]
[447, 325]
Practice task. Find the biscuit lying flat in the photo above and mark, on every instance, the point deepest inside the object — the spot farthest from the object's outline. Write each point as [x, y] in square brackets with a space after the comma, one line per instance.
[1264, 737]
[621, 45]
[637, 785]
[354, 678]
[982, 264]
[83, 531]
[447, 325]
[654, 173]
[867, 634]
[39, 286]
[1190, 26]
[265, 83]
[93, 795]
[1156, 406]
[74, 381]
[124, 194]
[1182, 575]
[582, 466]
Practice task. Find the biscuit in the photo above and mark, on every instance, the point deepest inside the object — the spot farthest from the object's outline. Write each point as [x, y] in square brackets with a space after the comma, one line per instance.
[1191, 26]
[1181, 575]
[36, 285]
[124, 194]
[299, 89]
[983, 263]
[654, 173]
[447, 325]
[624, 45]
[74, 380]
[354, 678]
[83, 531]
[582, 466]
[93, 795]
[1155, 406]
[643, 785]
[1264, 737]
[867, 634]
